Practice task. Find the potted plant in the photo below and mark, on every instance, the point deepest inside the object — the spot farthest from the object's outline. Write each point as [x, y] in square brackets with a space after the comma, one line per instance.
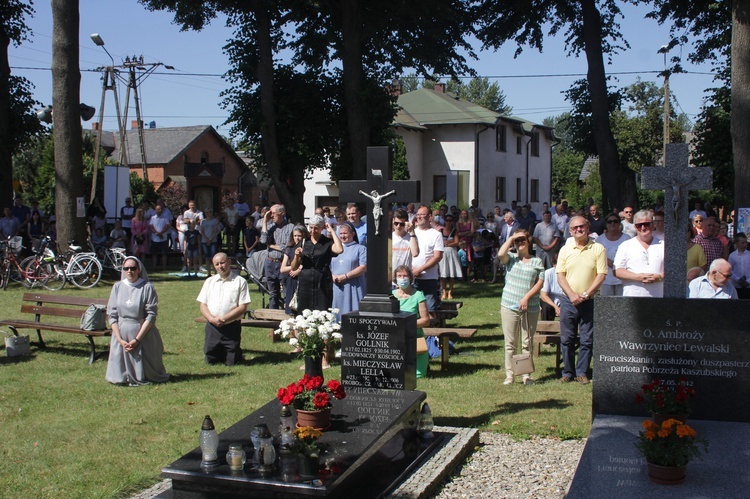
[668, 448]
[665, 401]
[307, 450]
[312, 400]
[310, 332]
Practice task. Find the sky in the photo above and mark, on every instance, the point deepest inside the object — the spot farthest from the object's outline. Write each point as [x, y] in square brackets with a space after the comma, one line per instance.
[190, 95]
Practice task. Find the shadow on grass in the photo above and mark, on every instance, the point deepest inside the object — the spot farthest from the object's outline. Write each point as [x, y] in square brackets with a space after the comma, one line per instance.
[507, 408]
[16, 360]
[252, 357]
[184, 377]
[456, 369]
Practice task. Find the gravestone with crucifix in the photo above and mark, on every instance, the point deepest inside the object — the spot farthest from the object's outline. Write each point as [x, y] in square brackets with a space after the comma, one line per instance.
[378, 348]
[676, 178]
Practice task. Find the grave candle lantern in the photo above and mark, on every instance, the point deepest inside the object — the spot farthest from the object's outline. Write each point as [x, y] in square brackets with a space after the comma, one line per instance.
[209, 443]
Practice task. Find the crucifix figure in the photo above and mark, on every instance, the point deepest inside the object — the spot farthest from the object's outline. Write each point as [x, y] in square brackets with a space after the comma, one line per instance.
[378, 180]
[676, 178]
[377, 210]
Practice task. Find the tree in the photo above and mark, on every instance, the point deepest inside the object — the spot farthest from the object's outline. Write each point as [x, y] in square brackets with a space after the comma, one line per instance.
[66, 121]
[587, 29]
[482, 93]
[18, 123]
[721, 35]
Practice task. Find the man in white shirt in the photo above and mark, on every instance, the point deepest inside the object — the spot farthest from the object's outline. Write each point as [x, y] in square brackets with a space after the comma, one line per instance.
[159, 226]
[697, 211]
[560, 219]
[403, 241]
[740, 262]
[639, 262]
[223, 301]
[546, 237]
[717, 283]
[425, 265]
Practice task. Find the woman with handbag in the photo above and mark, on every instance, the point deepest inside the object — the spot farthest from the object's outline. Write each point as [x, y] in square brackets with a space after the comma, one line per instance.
[413, 300]
[519, 309]
[136, 349]
[139, 230]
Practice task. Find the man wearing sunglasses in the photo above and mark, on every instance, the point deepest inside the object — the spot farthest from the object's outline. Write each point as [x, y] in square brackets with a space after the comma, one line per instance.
[716, 284]
[581, 269]
[639, 262]
[403, 241]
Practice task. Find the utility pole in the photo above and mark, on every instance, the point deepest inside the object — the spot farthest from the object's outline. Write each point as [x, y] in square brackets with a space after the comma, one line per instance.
[663, 50]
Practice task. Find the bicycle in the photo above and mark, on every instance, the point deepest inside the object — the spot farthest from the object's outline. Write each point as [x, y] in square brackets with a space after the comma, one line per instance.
[31, 271]
[83, 269]
[112, 259]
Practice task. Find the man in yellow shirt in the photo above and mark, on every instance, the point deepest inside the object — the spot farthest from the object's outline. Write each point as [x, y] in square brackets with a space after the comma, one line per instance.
[581, 269]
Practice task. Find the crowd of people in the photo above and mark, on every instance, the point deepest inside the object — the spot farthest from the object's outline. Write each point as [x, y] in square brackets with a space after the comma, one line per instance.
[552, 265]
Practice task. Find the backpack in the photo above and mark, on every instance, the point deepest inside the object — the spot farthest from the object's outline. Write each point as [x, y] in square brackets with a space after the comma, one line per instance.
[94, 318]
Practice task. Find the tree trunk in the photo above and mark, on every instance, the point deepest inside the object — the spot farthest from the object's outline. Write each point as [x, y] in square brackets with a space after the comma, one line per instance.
[618, 182]
[354, 84]
[6, 156]
[741, 101]
[289, 190]
[66, 122]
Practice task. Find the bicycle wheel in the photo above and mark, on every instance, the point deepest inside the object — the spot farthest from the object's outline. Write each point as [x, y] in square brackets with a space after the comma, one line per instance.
[84, 270]
[56, 278]
[14, 273]
[117, 255]
[33, 276]
[5, 274]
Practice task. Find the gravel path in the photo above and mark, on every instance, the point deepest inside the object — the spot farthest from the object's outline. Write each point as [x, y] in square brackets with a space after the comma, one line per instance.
[503, 467]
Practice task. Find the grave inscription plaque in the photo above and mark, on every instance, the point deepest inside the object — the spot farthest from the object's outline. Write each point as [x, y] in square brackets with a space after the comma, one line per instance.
[704, 341]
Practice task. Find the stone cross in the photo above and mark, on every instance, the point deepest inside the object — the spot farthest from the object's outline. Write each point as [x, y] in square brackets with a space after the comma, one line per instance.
[378, 186]
[676, 179]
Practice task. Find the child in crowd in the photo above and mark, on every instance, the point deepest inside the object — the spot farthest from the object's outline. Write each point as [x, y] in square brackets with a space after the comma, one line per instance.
[477, 246]
[118, 236]
[463, 256]
[192, 248]
[99, 241]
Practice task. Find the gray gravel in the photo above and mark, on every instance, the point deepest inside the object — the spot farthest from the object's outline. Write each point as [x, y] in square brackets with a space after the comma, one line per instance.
[503, 467]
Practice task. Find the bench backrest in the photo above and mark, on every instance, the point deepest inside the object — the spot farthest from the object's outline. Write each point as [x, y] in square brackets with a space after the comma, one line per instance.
[70, 306]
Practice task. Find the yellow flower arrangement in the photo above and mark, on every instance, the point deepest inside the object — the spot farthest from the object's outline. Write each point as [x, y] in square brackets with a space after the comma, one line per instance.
[672, 443]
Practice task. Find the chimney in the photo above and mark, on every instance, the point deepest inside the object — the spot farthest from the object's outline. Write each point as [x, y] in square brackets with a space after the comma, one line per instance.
[135, 124]
[95, 126]
[440, 87]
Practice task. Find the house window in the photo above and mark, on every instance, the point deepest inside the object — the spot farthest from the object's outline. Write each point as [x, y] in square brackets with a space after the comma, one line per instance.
[439, 187]
[535, 144]
[518, 189]
[500, 139]
[204, 158]
[519, 145]
[499, 189]
[534, 195]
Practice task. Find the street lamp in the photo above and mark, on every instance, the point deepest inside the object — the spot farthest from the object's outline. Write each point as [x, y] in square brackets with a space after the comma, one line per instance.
[663, 50]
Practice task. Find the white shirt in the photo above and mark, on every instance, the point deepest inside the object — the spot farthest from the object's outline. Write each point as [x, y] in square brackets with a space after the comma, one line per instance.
[196, 215]
[551, 286]
[696, 212]
[611, 247]
[632, 256]
[740, 263]
[401, 250]
[159, 223]
[222, 295]
[429, 241]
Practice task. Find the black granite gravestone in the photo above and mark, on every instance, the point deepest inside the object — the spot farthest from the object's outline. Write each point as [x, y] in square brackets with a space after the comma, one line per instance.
[705, 341]
[379, 351]
[378, 348]
[371, 442]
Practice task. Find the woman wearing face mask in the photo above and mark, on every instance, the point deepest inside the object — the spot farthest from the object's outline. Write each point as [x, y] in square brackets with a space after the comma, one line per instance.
[412, 300]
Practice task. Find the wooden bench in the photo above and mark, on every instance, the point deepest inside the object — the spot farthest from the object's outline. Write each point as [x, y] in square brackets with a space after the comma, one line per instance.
[548, 333]
[445, 335]
[71, 307]
[262, 317]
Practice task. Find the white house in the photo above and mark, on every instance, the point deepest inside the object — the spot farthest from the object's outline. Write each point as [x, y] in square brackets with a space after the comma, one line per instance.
[461, 151]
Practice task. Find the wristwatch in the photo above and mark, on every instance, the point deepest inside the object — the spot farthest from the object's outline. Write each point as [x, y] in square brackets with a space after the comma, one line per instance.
[585, 295]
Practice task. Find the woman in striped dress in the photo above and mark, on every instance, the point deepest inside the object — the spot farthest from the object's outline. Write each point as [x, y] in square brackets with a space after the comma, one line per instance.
[520, 303]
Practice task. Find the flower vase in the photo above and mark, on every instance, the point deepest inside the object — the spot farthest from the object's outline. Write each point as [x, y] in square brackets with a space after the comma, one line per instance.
[320, 420]
[307, 467]
[314, 365]
[666, 475]
[659, 418]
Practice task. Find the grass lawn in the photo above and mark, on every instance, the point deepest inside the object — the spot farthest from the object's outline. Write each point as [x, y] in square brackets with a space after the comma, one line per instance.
[69, 433]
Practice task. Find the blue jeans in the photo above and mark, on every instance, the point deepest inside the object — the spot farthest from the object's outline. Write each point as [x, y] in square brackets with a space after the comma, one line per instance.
[576, 323]
[431, 290]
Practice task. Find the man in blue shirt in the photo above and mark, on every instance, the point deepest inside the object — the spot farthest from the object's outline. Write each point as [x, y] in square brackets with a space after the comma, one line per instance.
[715, 284]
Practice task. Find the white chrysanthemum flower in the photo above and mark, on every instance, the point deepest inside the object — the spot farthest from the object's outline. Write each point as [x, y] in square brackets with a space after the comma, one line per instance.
[306, 312]
[336, 336]
[293, 341]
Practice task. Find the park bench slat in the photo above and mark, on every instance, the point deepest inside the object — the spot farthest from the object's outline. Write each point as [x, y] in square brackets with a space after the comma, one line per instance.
[445, 334]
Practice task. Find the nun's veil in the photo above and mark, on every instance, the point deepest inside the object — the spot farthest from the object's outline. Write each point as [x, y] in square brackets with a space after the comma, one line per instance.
[142, 274]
